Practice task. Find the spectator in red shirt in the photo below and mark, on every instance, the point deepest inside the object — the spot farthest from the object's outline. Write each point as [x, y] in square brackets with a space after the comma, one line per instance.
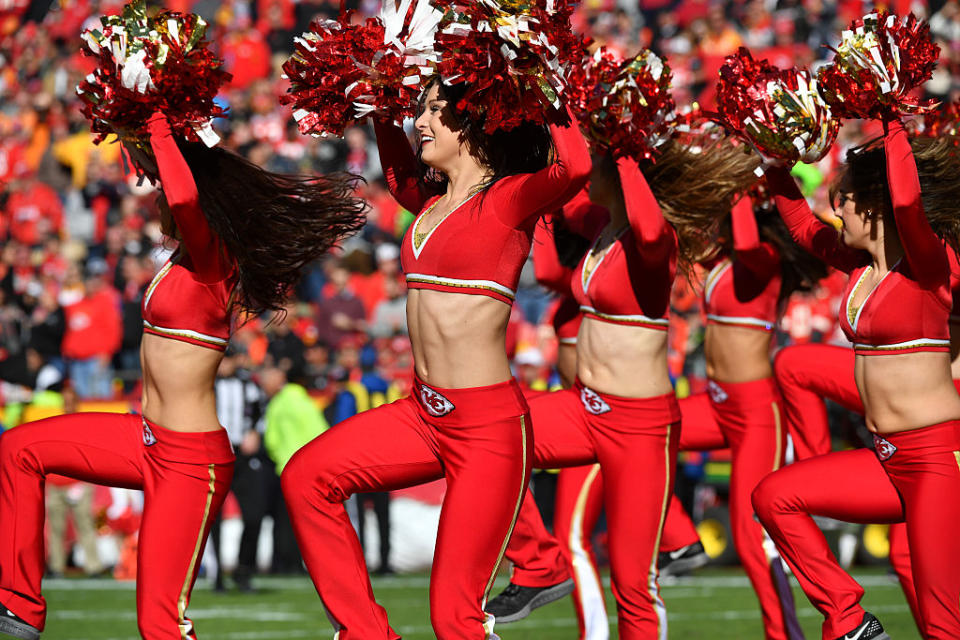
[93, 335]
[33, 211]
[371, 289]
[246, 54]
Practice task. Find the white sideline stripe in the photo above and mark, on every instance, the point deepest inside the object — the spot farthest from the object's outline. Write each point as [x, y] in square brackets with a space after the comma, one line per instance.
[407, 582]
[238, 613]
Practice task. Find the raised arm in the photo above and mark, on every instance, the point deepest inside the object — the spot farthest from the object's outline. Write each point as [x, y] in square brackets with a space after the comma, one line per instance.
[523, 197]
[400, 166]
[546, 262]
[811, 234]
[655, 237]
[583, 217]
[922, 248]
[762, 258]
[201, 243]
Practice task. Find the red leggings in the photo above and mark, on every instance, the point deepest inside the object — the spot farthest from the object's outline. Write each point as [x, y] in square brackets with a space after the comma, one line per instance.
[184, 476]
[917, 483]
[635, 440]
[479, 439]
[806, 374]
[757, 451]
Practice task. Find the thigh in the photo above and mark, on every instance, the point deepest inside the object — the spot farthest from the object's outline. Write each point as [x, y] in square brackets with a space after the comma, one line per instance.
[826, 370]
[845, 485]
[378, 450]
[102, 448]
[699, 430]
[560, 431]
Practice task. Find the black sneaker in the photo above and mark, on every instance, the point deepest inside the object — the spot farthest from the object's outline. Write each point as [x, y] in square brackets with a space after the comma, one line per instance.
[516, 602]
[683, 560]
[14, 627]
[868, 629]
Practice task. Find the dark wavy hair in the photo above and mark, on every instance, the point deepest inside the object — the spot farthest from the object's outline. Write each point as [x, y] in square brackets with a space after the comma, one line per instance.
[524, 149]
[938, 166]
[272, 225]
[570, 246]
[799, 270]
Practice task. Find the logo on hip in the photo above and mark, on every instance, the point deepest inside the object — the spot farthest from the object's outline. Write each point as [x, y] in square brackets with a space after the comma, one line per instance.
[884, 449]
[434, 402]
[592, 402]
[716, 392]
[148, 437]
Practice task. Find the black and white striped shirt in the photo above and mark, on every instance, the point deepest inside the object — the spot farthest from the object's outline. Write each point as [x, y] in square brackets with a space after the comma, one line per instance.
[240, 407]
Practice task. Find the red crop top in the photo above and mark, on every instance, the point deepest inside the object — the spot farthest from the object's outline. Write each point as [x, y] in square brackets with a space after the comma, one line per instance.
[909, 309]
[480, 246]
[744, 289]
[189, 299]
[630, 284]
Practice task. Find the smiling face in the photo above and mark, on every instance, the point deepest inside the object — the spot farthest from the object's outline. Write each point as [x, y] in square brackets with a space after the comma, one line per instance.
[440, 144]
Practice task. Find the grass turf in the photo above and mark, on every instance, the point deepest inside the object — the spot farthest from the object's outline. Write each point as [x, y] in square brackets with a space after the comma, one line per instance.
[716, 603]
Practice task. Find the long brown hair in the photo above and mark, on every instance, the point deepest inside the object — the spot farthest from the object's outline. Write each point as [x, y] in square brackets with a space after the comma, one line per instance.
[273, 225]
[695, 185]
[938, 166]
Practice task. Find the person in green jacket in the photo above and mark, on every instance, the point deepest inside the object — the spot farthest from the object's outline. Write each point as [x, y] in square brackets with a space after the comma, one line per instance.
[292, 418]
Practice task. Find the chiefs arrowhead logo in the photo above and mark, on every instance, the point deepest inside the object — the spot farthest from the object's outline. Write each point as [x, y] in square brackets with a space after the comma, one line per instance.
[592, 402]
[884, 449]
[717, 394]
[148, 437]
[435, 403]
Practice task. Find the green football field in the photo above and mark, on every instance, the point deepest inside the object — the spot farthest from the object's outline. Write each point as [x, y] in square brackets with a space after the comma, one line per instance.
[716, 604]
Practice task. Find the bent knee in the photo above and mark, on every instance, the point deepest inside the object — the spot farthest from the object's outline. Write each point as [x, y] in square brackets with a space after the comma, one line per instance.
[304, 476]
[785, 364]
[772, 496]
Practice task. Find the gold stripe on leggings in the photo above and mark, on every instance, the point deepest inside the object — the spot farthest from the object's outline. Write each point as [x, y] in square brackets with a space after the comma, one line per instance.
[583, 569]
[185, 590]
[516, 509]
[776, 420]
[956, 454]
[652, 586]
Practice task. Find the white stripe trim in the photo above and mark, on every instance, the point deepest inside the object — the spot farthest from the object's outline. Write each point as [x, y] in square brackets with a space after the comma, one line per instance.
[585, 281]
[156, 281]
[856, 319]
[589, 590]
[627, 318]
[416, 224]
[754, 322]
[909, 344]
[714, 277]
[456, 282]
[187, 333]
[568, 341]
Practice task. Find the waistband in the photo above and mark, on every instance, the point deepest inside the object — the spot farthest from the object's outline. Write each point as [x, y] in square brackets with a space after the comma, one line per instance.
[746, 322]
[488, 288]
[942, 437]
[638, 320]
[204, 447]
[736, 395]
[897, 348]
[662, 409]
[470, 405]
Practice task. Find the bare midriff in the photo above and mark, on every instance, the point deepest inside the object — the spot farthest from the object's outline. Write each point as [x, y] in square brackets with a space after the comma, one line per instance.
[178, 379]
[737, 354]
[622, 360]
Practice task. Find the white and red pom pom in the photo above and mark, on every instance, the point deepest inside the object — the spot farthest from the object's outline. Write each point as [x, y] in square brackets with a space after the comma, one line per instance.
[151, 64]
[780, 112]
[624, 106]
[880, 61]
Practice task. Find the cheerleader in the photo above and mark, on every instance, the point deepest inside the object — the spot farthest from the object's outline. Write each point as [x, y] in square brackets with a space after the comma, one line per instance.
[896, 203]
[621, 411]
[467, 420]
[244, 235]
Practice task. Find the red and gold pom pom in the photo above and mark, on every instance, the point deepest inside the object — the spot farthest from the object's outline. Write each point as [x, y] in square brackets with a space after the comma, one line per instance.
[510, 56]
[624, 106]
[151, 64]
[340, 73]
[880, 61]
[780, 112]
[945, 121]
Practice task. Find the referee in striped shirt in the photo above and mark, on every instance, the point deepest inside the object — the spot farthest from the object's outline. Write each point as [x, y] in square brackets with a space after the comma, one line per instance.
[240, 409]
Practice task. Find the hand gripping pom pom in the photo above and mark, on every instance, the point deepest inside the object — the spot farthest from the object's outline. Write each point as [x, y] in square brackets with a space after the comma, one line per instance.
[780, 112]
[341, 73]
[624, 106]
[880, 60]
[149, 64]
[511, 55]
